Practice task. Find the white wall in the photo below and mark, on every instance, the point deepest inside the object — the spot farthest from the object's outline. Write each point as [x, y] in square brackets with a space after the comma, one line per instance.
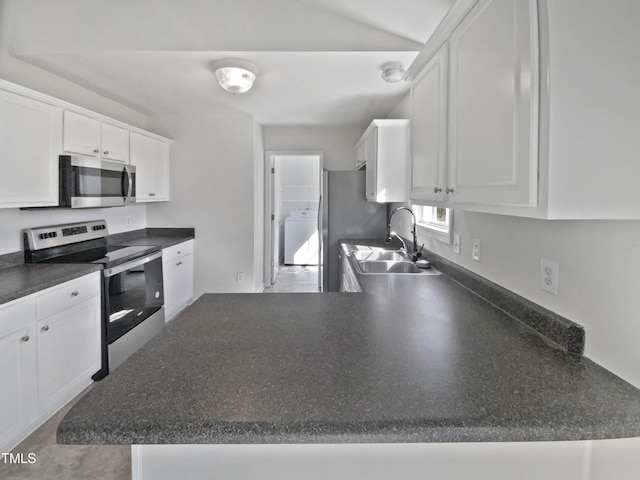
[13, 220]
[40, 80]
[213, 189]
[336, 143]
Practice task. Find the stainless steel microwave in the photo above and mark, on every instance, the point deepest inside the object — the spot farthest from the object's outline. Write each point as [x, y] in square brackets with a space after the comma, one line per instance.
[91, 183]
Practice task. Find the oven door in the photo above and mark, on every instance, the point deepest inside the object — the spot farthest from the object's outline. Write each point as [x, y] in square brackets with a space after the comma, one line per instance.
[133, 293]
[89, 182]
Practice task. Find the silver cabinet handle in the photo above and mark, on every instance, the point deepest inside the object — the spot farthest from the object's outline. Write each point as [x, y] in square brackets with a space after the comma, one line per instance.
[179, 252]
[436, 189]
[25, 338]
[106, 152]
[45, 328]
[96, 150]
[152, 194]
[449, 190]
[178, 264]
[75, 293]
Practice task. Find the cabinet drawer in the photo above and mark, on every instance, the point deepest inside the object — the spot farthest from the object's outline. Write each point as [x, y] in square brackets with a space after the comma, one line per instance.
[67, 295]
[176, 251]
[16, 314]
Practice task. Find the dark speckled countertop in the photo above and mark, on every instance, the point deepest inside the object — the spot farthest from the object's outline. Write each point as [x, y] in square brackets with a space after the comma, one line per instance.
[351, 367]
[18, 279]
[24, 279]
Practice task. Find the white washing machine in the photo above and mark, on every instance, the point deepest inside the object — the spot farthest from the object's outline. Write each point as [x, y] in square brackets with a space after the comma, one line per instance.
[301, 241]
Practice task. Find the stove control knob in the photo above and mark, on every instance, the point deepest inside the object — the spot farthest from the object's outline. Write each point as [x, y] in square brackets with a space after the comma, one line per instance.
[42, 236]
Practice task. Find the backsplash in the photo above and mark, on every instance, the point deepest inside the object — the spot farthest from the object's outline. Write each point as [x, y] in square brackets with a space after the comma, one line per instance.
[13, 220]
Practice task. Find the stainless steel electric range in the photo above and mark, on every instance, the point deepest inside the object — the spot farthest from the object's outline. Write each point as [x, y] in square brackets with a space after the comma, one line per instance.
[132, 295]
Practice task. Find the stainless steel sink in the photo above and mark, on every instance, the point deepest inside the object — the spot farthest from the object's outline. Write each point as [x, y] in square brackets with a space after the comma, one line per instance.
[378, 255]
[386, 262]
[388, 267]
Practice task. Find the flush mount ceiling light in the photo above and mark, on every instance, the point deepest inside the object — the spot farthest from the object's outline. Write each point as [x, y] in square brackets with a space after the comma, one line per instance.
[235, 76]
[392, 72]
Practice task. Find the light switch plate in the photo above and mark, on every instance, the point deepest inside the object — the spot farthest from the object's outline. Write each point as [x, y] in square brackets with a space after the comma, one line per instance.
[475, 253]
[456, 243]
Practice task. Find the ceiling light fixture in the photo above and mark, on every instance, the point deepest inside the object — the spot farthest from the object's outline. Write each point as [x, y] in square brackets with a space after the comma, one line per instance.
[392, 72]
[235, 76]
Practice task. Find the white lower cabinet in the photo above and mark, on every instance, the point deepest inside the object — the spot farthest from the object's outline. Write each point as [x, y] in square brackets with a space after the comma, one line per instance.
[18, 375]
[177, 268]
[68, 352]
[48, 351]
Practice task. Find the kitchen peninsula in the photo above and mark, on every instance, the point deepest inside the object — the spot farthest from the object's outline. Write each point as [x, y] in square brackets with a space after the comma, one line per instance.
[344, 368]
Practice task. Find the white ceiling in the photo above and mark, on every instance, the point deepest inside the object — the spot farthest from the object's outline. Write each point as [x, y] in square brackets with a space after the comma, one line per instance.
[319, 59]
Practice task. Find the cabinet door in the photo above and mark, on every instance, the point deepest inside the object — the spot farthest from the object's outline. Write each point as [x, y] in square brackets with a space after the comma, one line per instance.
[161, 172]
[18, 407]
[81, 134]
[29, 148]
[115, 143]
[494, 105]
[151, 159]
[178, 283]
[141, 155]
[429, 130]
[371, 159]
[68, 351]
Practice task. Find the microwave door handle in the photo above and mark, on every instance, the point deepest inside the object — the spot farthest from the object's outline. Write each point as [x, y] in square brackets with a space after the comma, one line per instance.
[127, 191]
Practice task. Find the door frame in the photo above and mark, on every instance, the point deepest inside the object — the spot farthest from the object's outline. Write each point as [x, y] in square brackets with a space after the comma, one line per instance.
[269, 196]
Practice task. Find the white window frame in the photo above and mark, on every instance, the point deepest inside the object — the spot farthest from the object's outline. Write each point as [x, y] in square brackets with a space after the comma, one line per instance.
[429, 226]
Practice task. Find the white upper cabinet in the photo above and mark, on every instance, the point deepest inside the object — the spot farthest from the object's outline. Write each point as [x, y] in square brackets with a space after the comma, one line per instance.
[542, 114]
[115, 143]
[385, 147]
[151, 159]
[29, 146]
[494, 105]
[87, 136]
[81, 134]
[429, 163]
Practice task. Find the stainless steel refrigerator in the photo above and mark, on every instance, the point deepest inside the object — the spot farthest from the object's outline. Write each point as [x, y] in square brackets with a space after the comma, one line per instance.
[345, 214]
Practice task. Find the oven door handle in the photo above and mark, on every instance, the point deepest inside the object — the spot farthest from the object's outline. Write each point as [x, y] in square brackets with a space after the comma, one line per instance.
[110, 272]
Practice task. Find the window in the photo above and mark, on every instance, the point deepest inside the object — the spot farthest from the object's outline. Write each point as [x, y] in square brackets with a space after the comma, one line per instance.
[434, 222]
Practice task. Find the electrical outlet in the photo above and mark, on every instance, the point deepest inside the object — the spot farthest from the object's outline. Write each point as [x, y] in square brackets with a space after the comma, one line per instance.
[549, 276]
[475, 253]
[239, 277]
[456, 243]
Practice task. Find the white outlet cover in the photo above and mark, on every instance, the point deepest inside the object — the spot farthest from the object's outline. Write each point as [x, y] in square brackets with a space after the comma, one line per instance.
[456, 243]
[475, 253]
[549, 276]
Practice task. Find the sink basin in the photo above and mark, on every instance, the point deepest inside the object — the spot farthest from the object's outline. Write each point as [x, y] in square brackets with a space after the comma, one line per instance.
[378, 255]
[386, 262]
[388, 267]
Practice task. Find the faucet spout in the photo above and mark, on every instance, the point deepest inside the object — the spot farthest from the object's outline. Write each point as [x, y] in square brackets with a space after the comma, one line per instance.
[415, 253]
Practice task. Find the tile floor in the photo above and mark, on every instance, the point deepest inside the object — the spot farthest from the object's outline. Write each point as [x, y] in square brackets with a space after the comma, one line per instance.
[295, 278]
[67, 462]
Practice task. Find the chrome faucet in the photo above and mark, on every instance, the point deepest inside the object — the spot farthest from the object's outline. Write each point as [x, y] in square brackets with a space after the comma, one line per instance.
[415, 253]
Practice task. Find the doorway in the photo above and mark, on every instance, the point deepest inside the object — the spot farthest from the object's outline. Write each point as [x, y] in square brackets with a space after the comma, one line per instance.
[292, 236]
